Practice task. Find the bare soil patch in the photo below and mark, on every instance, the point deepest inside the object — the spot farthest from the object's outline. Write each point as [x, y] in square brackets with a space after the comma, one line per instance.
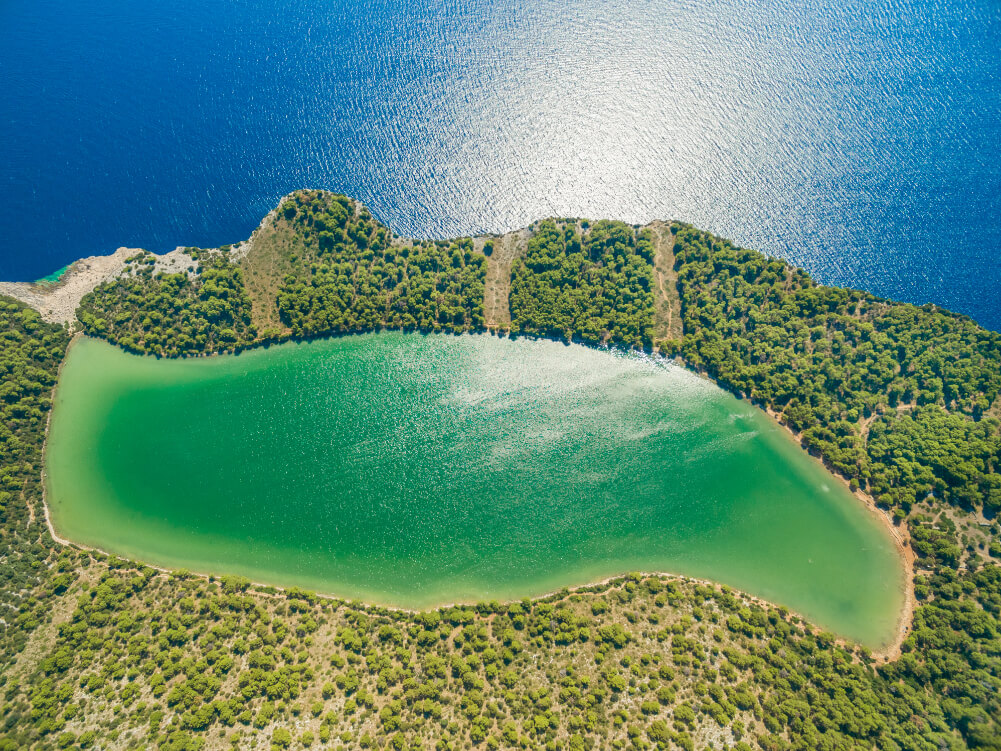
[497, 288]
[667, 300]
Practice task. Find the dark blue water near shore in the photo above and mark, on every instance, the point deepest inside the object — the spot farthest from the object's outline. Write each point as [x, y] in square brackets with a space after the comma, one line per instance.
[860, 140]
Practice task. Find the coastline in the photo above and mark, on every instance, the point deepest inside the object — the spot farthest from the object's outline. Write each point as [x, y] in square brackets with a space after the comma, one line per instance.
[879, 655]
[45, 447]
[572, 580]
[900, 540]
[58, 303]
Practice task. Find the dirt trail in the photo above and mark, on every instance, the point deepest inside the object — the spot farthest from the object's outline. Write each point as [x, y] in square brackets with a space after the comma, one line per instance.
[497, 287]
[667, 302]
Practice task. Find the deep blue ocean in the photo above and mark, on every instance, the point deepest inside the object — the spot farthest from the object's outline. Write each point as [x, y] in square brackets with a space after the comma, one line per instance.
[861, 140]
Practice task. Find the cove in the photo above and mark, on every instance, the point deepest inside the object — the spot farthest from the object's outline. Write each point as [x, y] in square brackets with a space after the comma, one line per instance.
[415, 470]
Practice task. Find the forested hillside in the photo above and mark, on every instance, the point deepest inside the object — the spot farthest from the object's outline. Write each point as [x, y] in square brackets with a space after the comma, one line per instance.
[172, 314]
[30, 353]
[325, 266]
[591, 282]
[181, 663]
[894, 397]
[902, 401]
[360, 280]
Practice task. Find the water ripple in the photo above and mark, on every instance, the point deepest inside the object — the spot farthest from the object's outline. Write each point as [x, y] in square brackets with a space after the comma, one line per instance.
[857, 139]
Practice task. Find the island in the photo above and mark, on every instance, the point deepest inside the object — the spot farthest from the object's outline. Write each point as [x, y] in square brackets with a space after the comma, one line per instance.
[899, 402]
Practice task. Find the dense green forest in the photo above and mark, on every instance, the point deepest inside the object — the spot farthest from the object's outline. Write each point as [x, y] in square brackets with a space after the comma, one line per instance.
[894, 397]
[591, 282]
[360, 280]
[344, 273]
[30, 353]
[172, 314]
[98, 652]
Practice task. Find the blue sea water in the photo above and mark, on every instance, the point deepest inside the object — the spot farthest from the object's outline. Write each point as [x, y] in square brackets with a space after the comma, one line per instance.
[857, 139]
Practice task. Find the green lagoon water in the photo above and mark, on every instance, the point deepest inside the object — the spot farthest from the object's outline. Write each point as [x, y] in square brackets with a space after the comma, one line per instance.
[54, 277]
[415, 470]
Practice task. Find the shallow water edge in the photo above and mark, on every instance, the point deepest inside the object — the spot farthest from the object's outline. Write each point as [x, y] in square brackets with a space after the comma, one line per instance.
[586, 568]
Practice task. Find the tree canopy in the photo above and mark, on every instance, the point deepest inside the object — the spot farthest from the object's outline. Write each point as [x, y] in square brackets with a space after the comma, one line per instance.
[592, 282]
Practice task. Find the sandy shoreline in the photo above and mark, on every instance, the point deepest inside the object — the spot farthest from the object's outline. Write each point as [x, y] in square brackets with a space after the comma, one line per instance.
[880, 655]
[898, 535]
[902, 544]
[45, 447]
